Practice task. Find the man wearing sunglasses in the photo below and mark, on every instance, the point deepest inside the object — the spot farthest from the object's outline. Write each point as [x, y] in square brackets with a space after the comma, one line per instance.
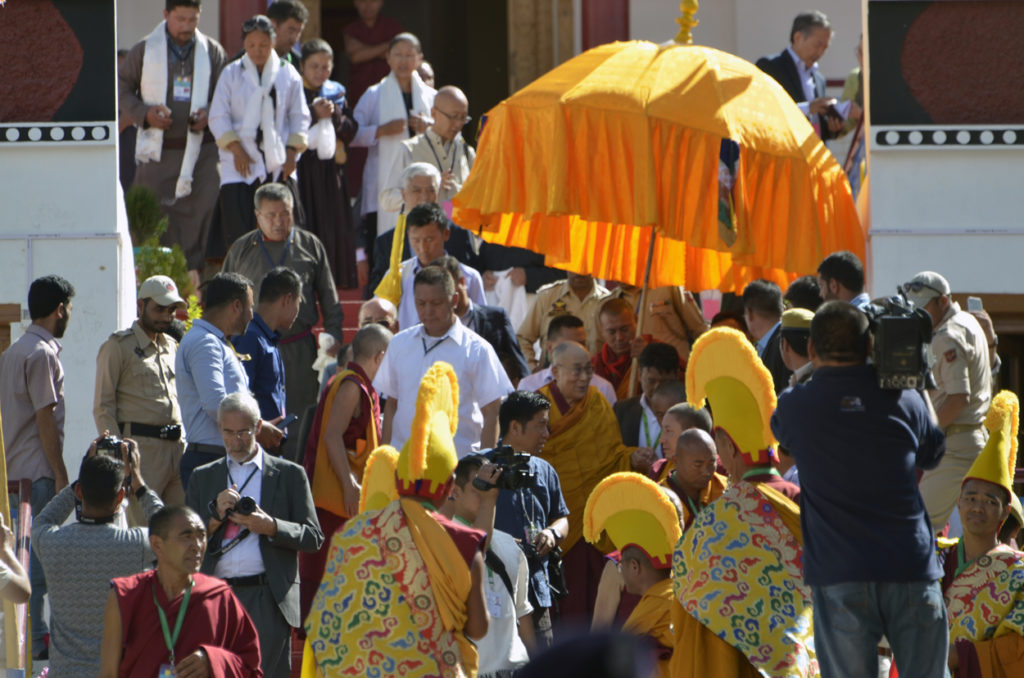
[964, 389]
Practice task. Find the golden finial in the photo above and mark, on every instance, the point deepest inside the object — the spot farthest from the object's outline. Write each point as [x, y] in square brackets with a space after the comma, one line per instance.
[687, 21]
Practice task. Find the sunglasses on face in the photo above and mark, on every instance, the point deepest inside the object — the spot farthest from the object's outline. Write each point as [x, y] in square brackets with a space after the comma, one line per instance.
[915, 287]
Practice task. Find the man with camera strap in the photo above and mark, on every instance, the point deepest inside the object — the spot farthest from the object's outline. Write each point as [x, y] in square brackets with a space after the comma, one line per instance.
[259, 512]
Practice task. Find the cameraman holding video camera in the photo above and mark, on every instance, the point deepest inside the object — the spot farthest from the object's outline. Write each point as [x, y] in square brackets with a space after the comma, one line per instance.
[80, 559]
[869, 556]
[259, 514]
[530, 504]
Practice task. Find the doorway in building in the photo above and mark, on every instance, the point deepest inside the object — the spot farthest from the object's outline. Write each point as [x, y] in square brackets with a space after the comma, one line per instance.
[466, 42]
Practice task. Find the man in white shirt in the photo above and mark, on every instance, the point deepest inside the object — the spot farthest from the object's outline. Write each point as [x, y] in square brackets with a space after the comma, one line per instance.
[506, 585]
[563, 328]
[427, 228]
[440, 336]
[259, 514]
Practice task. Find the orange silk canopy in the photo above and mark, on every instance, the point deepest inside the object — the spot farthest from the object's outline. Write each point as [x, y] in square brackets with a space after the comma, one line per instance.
[625, 139]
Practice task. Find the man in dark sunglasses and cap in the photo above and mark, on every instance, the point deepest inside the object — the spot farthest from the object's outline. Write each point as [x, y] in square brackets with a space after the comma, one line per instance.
[964, 390]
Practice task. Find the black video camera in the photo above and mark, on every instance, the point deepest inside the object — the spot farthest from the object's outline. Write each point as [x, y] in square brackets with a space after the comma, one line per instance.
[903, 335]
[514, 466]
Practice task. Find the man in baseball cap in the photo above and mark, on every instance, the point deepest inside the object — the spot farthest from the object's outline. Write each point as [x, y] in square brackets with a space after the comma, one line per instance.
[961, 369]
[136, 395]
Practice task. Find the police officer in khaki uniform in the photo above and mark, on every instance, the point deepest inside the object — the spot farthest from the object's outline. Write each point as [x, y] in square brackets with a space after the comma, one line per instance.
[135, 391]
[963, 393]
[671, 316]
[578, 295]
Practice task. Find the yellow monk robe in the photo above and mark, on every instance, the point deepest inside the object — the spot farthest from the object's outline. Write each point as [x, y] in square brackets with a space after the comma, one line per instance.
[653, 617]
[765, 630]
[585, 447]
[985, 603]
[392, 600]
[326, 487]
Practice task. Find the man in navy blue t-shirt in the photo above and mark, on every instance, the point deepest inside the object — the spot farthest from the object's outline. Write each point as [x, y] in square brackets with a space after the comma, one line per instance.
[534, 515]
[869, 554]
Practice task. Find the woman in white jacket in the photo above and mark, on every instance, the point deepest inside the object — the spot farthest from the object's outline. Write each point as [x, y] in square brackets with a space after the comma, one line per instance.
[395, 109]
[260, 120]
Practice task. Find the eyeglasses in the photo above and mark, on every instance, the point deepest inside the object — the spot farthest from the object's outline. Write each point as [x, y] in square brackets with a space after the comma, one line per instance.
[242, 435]
[258, 22]
[913, 287]
[461, 119]
[580, 370]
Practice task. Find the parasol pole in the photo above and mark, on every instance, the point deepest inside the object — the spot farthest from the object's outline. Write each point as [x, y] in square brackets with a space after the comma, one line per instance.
[634, 367]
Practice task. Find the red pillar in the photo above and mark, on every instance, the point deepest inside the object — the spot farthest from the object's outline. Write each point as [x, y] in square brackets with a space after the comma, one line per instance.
[604, 21]
[232, 14]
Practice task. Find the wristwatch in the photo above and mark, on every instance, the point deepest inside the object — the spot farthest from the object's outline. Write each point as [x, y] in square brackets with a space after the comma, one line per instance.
[141, 492]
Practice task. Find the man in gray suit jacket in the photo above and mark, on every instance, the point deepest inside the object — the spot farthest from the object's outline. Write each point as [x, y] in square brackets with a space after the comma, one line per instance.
[259, 513]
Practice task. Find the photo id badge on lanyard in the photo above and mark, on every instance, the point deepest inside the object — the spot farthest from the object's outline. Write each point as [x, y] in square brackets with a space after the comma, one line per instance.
[182, 88]
[171, 639]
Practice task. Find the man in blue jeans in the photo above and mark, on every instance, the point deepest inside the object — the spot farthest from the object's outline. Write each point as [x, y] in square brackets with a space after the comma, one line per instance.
[869, 554]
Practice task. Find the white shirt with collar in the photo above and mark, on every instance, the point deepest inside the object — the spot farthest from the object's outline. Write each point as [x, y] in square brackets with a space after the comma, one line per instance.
[245, 559]
[407, 316]
[806, 76]
[482, 379]
[650, 435]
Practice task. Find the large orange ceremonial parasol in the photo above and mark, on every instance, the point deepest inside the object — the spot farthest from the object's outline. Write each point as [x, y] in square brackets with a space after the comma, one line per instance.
[630, 139]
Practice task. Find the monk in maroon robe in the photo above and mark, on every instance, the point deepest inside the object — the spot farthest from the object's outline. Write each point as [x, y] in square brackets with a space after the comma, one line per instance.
[213, 637]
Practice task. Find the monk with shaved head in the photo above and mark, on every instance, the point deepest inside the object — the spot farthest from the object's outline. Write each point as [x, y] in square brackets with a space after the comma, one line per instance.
[585, 447]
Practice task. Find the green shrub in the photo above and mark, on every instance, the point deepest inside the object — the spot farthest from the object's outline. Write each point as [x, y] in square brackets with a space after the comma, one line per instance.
[146, 224]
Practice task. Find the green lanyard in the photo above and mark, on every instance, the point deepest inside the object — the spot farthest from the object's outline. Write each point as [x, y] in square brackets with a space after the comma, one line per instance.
[961, 559]
[647, 432]
[168, 638]
[760, 472]
[695, 508]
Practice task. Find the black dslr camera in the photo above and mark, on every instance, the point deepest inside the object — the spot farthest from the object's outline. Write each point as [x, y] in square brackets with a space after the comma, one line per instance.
[903, 335]
[515, 469]
[109, 446]
[243, 507]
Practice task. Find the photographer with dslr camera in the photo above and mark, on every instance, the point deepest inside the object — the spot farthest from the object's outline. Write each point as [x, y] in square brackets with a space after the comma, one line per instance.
[530, 504]
[259, 514]
[80, 559]
[869, 556]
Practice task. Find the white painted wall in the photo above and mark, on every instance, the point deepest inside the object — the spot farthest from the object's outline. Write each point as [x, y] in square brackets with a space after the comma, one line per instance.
[951, 211]
[63, 214]
[751, 28]
[137, 18]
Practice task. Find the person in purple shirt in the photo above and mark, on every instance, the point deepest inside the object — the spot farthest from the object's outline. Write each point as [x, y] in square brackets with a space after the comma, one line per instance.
[279, 300]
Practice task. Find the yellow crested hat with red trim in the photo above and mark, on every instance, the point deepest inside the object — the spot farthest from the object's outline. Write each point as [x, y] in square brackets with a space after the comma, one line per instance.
[998, 460]
[378, 489]
[725, 370]
[634, 511]
[428, 458]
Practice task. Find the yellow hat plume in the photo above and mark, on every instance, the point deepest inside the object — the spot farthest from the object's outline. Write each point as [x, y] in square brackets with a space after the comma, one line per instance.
[725, 370]
[634, 511]
[378, 488]
[997, 462]
[429, 453]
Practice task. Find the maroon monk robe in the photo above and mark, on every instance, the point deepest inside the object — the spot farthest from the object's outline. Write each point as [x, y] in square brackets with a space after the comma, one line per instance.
[311, 565]
[214, 621]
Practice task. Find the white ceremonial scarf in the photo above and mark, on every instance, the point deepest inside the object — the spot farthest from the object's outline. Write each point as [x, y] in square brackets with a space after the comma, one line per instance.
[259, 113]
[392, 107]
[153, 89]
[322, 136]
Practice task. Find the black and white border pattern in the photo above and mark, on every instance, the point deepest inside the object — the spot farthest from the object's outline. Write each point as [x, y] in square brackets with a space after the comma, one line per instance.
[87, 133]
[948, 137]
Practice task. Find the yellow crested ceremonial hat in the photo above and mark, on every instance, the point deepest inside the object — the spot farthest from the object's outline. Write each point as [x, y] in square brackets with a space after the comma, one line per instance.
[634, 511]
[378, 488]
[998, 460]
[390, 286]
[725, 370]
[428, 458]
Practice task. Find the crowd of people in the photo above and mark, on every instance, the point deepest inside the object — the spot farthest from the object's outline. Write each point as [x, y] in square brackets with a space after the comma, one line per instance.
[507, 466]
